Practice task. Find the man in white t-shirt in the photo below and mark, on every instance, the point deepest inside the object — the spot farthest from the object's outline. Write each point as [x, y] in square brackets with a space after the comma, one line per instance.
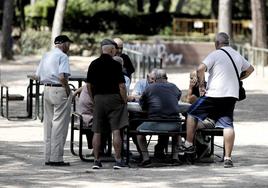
[218, 98]
[53, 71]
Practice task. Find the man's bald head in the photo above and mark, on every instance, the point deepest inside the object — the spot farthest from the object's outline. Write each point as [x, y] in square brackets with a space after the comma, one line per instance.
[119, 43]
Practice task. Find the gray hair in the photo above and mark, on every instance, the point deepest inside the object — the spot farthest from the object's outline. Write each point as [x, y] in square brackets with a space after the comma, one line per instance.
[222, 38]
[160, 74]
[119, 59]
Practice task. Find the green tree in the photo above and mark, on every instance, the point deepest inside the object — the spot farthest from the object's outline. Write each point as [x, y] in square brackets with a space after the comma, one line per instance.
[196, 7]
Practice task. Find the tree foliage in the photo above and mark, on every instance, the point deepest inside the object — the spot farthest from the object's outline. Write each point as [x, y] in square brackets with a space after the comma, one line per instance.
[197, 7]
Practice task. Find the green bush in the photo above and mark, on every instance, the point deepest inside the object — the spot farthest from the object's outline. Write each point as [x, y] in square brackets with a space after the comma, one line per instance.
[39, 42]
[34, 42]
[37, 15]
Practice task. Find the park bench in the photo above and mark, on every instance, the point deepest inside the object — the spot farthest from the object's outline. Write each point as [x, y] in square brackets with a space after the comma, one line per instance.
[212, 132]
[7, 97]
[131, 132]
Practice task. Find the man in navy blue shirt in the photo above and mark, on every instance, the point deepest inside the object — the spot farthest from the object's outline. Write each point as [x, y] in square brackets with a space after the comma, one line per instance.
[160, 100]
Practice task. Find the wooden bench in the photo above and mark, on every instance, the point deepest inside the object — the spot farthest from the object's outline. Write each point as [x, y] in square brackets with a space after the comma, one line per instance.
[5, 95]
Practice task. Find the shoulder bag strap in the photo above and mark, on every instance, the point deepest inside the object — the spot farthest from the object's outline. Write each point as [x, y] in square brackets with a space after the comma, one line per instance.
[232, 63]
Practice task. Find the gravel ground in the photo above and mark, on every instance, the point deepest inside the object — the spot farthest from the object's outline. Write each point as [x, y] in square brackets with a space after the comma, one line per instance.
[21, 163]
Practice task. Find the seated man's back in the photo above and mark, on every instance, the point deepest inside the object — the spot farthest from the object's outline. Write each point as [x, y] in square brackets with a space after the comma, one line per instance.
[85, 107]
[161, 98]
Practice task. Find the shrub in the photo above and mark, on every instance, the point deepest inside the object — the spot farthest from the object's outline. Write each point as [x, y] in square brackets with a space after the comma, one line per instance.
[34, 42]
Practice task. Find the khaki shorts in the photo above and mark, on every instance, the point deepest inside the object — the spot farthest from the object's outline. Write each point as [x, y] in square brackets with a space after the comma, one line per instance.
[110, 112]
[206, 123]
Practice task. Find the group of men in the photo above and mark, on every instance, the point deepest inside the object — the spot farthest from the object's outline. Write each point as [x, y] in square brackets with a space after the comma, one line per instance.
[105, 86]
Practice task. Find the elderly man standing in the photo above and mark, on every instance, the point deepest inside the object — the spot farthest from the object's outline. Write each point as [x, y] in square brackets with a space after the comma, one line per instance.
[218, 99]
[53, 71]
[128, 67]
[106, 83]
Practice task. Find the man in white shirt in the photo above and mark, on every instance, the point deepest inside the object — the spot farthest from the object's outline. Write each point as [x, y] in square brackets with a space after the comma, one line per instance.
[218, 99]
[53, 71]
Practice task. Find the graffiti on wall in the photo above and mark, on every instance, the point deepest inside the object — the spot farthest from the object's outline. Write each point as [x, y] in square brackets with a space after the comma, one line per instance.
[157, 50]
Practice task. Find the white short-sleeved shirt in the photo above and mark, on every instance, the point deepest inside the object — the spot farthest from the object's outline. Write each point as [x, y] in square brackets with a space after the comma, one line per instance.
[222, 79]
[52, 64]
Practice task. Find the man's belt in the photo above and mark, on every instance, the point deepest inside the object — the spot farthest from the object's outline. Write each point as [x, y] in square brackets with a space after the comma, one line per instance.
[53, 85]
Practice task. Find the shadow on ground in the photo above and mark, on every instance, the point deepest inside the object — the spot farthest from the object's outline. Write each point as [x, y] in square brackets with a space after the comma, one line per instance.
[21, 164]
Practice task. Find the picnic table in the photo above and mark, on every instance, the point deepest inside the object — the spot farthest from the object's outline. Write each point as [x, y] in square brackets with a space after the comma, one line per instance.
[34, 85]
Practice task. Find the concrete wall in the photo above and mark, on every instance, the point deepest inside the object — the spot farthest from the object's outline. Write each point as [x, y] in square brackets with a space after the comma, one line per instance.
[175, 53]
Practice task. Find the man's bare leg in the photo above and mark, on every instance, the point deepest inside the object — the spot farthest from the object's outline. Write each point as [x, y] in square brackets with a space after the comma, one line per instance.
[96, 142]
[229, 137]
[117, 143]
[143, 147]
[191, 125]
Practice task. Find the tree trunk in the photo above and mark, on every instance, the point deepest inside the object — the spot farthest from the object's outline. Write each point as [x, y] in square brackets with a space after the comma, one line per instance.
[214, 9]
[225, 17]
[140, 5]
[153, 6]
[259, 30]
[58, 20]
[20, 6]
[166, 5]
[6, 46]
[180, 5]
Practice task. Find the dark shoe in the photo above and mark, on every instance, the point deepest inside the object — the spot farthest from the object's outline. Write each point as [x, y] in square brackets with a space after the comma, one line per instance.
[47, 163]
[159, 155]
[145, 163]
[61, 163]
[136, 159]
[188, 150]
[96, 165]
[119, 165]
[176, 162]
[228, 163]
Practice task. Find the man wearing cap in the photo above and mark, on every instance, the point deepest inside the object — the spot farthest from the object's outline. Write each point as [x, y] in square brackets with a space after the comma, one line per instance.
[53, 71]
[106, 83]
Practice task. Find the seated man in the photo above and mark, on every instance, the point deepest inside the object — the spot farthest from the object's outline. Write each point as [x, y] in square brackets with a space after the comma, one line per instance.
[192, 95]
[85, 108]
[140, 86]
[160, 100]
[202, 142]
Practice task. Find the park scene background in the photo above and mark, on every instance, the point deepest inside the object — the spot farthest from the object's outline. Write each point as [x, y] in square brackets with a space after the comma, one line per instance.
[180, 33]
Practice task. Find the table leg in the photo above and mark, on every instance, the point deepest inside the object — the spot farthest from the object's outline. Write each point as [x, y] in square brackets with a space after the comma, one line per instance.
[30, 99]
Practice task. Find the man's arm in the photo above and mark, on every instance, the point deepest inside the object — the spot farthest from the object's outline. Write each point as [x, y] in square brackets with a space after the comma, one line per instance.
[65, 84]
[89, 90]
[247, 72]
[201, 78]
[123, 92]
